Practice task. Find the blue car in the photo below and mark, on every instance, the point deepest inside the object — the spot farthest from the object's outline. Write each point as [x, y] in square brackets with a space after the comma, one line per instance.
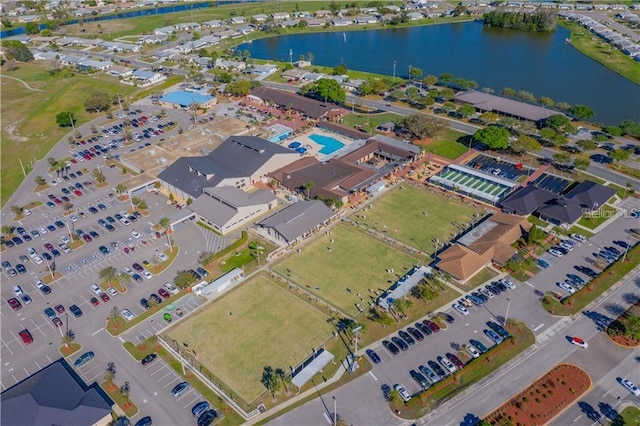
[179, 389]
[542, 263]
[84, 358]
[199, 408]
[374, 356]
[493, 336]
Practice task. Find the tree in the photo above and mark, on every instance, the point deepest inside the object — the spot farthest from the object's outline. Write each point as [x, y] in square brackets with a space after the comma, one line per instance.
[334, 7]
[67, 206]
[524, 143]
[340, 70]
[308, 186]
[165, 223]
[15, 50]
[98, 102]
[16, 210]
[66, 119]
[125, 389]
[108, 273]
[395, 398]
[184, 279]
[271, 381]
[402, 305]
[40, 181]
[561, 157]
[557, 121]
[327, 90]
[631, 128]
[424, 292]
[467, 110]
[415, 73]
[535, 235]
[430, 80]
[110, 372]
[493, 136]
[548, 133]
[238, 88]
[546, 101]
[619, 155]
[422, 125]
[582, 112]
[508, 92]
[32, 28]
[460, 10]
[99, 176]
[284, 378]
[120, 189]
[581, 163]
[586, 144]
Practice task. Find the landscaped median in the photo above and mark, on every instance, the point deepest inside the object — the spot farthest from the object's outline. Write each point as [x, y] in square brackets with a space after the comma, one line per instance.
[171, 254]
[120, 396]
[580, 299]
[521, 338]
[118, 325]
[68, 351]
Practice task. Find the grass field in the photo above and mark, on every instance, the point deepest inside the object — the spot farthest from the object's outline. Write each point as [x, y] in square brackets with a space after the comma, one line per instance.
[403, 210]
[448, 143]
[256, 325]
[370, 121]
[592, 221]
[29, 129]
[356, 261]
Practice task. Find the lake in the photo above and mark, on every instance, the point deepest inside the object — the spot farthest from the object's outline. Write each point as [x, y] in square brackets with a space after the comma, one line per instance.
[543, 64]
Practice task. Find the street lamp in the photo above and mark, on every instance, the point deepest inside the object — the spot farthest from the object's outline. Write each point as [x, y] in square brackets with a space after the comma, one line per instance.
[335, 412]
[507, 314]
[355, 332]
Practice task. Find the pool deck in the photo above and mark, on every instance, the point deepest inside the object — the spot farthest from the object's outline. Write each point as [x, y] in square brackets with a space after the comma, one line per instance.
[314, 148]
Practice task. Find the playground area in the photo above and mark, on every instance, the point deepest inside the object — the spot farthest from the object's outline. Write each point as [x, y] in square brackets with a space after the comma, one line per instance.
[417, 217]
[346, 268]
[256, 325]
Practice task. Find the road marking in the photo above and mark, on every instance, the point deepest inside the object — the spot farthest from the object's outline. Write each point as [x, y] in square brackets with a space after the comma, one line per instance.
[577, 418]
[538, 327]
[486, 398]
[326, 417]
[529, 284]
[49, 358]
[96, 332]
[516, 378]
[374, 377]
[121, 339]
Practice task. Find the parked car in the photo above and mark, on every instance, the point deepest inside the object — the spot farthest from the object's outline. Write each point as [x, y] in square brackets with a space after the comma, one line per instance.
[404, 394]
[498, 329]
[493, 336]
[628, 385]
[199, 408]
[373, 356]
[429, 373]
[26, 337]
[416, 334]
[179, 389]
[455, 360]
[479, 346]
[446, 364]
[420, 379]
[15, 304]
[207, 418]
[387, 344]
[575, 340]
[149, 358]
[471, 350]
[401, 343]
[566, 287]
[437, 369]
[84, 358]
[406, 337]
[75, 310]
[127, 314]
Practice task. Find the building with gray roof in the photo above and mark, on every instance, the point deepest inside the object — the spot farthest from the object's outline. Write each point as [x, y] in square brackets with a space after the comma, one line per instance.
[55, 395]
[226, 209]
[491, 103]
[239, 161]
[297, 221]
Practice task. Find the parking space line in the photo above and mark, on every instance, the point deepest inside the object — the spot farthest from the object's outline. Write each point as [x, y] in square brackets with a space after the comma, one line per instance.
[161, 378]
[192, 401]
[182, 396]
[171, 382]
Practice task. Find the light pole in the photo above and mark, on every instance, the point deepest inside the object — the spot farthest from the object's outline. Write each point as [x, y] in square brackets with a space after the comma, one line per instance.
[507, 314]
[355, 332]
[335, 412]
[66, 319]
[626, 249]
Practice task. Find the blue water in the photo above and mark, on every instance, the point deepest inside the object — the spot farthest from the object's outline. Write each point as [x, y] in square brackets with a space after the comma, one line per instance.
[329, 144]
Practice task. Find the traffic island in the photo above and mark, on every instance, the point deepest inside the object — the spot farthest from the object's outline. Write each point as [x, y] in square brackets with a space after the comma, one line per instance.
[48, 279]
[474, 371]
[625, 330]
[171, 254]
[545, 399]
[120, 396]
[70, 350]
[143, 349]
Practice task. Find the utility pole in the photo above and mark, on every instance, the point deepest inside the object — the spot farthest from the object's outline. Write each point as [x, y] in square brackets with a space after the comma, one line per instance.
[507, 314]
[394, 69]
[72, 123]
[291, 56]
[335, 413]
[355, 332]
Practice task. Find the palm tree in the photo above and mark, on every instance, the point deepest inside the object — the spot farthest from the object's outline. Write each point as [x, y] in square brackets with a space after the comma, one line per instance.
[107, 274]
[110, 373]
[308, 186]
[99, 176]
[17, 210]
[284, 378]
[6, 229]
[67, 338]
[66, 206]
[165, 223]
[52, 161]
[120, 189]
[40, 180]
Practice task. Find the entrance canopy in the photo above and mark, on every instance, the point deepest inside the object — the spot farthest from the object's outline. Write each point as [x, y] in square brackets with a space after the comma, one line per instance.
[317, 363]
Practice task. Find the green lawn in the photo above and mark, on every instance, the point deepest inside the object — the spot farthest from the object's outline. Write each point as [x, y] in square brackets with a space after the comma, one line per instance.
[448, 143]
[403, 212]
[256, 325]
[356, 261]
[597, 218]
[630, 416]
[482, 277]
[369, 121]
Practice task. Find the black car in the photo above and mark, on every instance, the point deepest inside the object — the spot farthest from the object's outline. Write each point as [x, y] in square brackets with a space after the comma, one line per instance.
[51, 228]
[145, 421]
[494, 288]
[145, 303]
[93, 210]
[104, 249]
[622, 244]
[55, 252]
[202, 271]
[109, 227]
[59, 224]
[498, 329]
[102, 206]
[613, 250]
[26, 237]
[448, 318]
[420, 379]
[479, 346]
[196, 275]
[110, 219]
[20, 230]
[416, 334]
[137, 278]
[9, 243]
[437, 369]
[17, 240]
[45, 289]
[207, 418]
[374, 356]
[423, 328]
[406, 337]
[46, 255]
[75, 310]
[132, 218]
[149, 358]
[499, 285]
[587, 271]
[391, 347]
[156, 298]
[401, 343]
[21, 269]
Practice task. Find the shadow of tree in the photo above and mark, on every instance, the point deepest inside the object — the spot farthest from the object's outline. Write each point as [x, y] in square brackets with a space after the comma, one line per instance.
[614, 309]
[608, 411]
[630, 297]
[601, 321]
[591, 413]
[538, 293]
[470, 420]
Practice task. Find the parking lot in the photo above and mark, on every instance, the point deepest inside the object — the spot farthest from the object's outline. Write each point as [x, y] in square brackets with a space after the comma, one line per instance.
[496, 167]
[552, 183]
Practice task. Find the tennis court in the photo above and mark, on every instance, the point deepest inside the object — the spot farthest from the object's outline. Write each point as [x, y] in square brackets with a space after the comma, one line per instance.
[472, 183]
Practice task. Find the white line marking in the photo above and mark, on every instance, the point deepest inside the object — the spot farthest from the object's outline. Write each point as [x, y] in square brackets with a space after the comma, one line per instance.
[96, 332]
[538, 327]
[529, 284]
[577, 418]
[121, 339]
[374, 377]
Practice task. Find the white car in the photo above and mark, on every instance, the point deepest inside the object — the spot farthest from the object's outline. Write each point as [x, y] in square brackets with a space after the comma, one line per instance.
[565, 245]
[472, 351]
[112, 291]
[555, 253]
[487, 292]
[53, 183]
[32, 253]
[26, 212]
[95, 289]
[171, 288]
[39, 284]
[17, 290]
[125, 221]
[628, 385]
[37, 260]
[127, 314]
[566, 287]
[404, 393]
[460, 309]
[136, 235]
[65, 239]
[161, 256]
[73, 218]
[127, 271]
[42, 231]
[579, 342]
[507, 282]
[579, 237]
[147, 275]
[447, 364]
[65, 248]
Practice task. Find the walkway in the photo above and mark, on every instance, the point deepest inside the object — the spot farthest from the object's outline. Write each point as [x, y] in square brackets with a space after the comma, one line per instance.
[24, 83]
[535, 175]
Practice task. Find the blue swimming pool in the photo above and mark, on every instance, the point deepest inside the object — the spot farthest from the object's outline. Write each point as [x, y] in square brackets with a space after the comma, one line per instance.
[329, 144]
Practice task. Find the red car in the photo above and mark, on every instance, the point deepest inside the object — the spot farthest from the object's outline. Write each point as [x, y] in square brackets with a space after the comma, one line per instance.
[48, 246]
[164, 293]
[455, 360]
[87, 238]
[74, 161]
[57, 321]
[59, 309]
[78, 192]
[94, 301]
[432, 325]
[15, 305]
[104, 297]
[26, 336]
[57, 201]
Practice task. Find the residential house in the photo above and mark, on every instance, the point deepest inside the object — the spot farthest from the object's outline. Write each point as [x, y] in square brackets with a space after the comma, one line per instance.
[146, 78]
[120, 71]
[188, 26]
[214, 23]
[236, 20]
[117, 46]
[366, 19]
[415, 16]
[153, 39]
[264, 69]
[229, 65]
[280, 16]
[318, 22]
[342, 22]
[260, 17]
[322, 13]
[352, 84]
[92, 65]
[45, 55]
[302, 15]
[294, 74]
[289, 23]
[168, 30]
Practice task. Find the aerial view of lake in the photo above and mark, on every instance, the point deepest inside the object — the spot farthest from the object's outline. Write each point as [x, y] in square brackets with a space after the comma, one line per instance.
[543, 64]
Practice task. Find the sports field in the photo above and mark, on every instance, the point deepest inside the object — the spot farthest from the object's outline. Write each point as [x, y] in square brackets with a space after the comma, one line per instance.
[256, 325]
[415, 216]
[356, 262]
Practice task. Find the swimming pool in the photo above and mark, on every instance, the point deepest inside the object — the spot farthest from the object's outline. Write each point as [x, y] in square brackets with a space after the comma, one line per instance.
[329, 144]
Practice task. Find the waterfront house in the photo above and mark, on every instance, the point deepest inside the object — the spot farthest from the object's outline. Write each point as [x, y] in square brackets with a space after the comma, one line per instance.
[342, 22]
[280, 16]
[260, 17]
